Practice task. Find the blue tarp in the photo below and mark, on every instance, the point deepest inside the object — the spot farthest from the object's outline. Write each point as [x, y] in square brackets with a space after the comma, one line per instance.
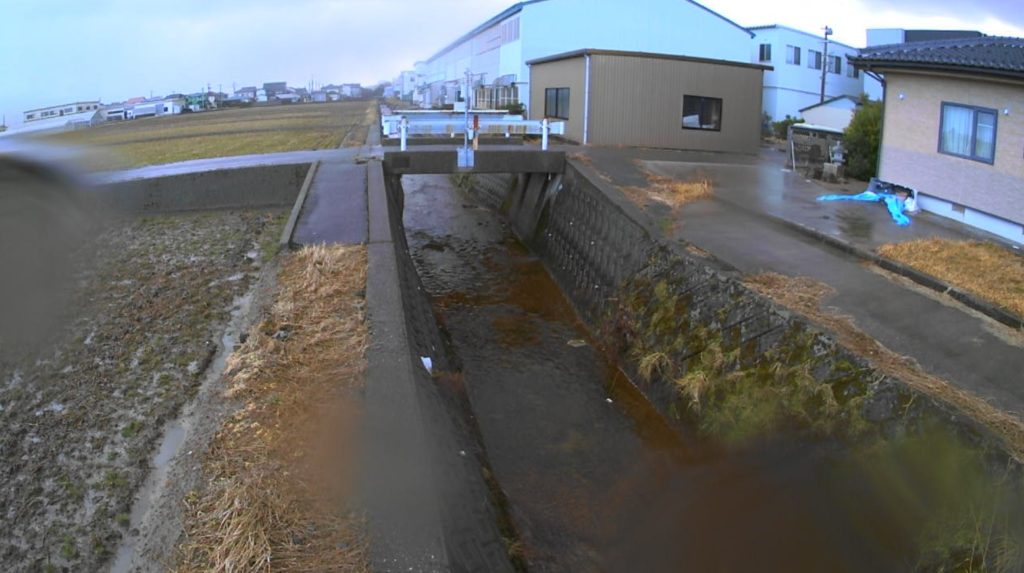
[892, 202]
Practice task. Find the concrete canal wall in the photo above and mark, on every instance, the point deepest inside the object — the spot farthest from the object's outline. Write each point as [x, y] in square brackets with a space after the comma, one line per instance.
[425, 442]
[602, 252]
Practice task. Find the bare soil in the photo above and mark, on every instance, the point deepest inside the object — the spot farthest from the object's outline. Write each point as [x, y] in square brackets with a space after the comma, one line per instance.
[82, 413]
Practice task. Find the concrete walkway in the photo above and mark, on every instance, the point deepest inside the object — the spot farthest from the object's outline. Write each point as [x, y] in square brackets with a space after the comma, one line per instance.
[741, 227]
[334, 211]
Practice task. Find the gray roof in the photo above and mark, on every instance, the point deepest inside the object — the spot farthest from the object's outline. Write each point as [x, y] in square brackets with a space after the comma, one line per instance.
[831, 101]
[988, 55]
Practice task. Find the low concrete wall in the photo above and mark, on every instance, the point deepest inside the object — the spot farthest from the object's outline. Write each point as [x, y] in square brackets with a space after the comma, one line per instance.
[247, 187]
[430, 507]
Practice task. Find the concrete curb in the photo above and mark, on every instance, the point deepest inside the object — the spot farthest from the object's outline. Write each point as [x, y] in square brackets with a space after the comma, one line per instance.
[285, 243]
[924, 279]
[405, 522]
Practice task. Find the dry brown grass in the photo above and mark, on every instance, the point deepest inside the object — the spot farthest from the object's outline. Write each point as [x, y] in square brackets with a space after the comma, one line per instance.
[279, 473]
[804, 295]
[224, 133]
[670, 192]
[983, 269]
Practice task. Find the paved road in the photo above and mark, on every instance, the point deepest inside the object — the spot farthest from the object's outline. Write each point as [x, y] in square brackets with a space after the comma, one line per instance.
[738, 227]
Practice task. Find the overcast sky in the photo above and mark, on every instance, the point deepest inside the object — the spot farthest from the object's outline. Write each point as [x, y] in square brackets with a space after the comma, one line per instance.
[56, 51]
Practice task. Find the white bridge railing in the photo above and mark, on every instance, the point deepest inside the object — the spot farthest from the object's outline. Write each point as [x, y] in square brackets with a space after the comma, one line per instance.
[478, 123]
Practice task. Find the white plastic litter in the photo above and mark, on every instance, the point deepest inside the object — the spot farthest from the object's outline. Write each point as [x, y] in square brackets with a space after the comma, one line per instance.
[427, 363]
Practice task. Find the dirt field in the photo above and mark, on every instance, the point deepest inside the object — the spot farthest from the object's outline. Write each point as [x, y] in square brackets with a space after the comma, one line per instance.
[82, 414]
[265, 129]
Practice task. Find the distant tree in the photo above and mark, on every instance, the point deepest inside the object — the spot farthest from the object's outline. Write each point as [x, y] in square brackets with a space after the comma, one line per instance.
[862, 139]
[515, 108]
[781, 128]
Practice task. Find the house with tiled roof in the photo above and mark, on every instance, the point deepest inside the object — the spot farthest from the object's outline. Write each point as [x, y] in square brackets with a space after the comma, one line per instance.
[953, 126]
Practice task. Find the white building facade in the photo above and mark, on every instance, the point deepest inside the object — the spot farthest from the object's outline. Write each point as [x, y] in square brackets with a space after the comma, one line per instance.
[495, 53]
[61, 110]
[799, 60]
[404, 85]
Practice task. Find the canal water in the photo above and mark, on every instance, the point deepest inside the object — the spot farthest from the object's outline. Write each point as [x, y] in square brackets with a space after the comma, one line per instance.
[596, 480]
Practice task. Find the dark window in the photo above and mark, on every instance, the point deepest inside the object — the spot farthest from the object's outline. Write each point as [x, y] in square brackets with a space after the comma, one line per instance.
[968, 132]
[835, 65]
[814, 59]
[765, 53]
[556, 103]
[793, 55]
[701, 112]
[852, 71]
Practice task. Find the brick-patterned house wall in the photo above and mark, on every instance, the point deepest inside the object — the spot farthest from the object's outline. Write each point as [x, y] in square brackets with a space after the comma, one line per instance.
[910, 142]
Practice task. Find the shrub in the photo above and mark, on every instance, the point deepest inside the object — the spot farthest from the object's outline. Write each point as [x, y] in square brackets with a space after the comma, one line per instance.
[781, 128]
[515, 108]
[862, 139]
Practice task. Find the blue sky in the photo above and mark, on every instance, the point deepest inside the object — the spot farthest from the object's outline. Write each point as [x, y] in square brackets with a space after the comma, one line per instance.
[54, 51]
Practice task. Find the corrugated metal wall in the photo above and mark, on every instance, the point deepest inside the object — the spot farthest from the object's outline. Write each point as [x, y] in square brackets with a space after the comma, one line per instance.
[559, 74]
[639, 101]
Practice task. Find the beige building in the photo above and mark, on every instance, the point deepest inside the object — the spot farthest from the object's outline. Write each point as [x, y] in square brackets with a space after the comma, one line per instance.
[650, 100]
[953, 127]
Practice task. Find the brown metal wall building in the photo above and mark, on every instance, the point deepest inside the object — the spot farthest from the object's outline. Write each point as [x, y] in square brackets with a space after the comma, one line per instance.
[637, 99]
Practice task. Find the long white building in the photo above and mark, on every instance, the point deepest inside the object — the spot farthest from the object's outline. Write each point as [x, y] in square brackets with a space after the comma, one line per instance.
[799, 62]
[496, 52]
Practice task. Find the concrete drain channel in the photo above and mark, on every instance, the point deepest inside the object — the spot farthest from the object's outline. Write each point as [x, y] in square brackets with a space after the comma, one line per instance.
[550, 459]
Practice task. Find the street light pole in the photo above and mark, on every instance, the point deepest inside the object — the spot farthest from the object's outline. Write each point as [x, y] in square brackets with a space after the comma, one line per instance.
[824, 63]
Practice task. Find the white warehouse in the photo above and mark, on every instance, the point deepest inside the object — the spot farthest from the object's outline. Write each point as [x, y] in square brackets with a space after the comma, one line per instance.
[496, 52]
[798, 59]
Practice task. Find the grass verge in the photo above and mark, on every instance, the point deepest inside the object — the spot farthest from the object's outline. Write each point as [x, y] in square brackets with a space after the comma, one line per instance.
[278, 478]
[804, 295]
[983, 269]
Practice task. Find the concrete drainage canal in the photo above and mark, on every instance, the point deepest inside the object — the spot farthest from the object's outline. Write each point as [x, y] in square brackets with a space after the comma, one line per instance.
[576, 465]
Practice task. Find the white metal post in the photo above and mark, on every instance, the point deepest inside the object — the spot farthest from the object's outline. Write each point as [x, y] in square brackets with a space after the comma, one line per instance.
[544, 128]
[405, 132]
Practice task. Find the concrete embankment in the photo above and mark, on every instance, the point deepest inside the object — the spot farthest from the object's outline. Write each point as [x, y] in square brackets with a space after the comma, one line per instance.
[685, 327]
[648, 297]
[430, 506]
[242, 188]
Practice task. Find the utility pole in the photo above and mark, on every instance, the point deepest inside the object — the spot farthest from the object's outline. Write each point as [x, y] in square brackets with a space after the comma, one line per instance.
[824, 63]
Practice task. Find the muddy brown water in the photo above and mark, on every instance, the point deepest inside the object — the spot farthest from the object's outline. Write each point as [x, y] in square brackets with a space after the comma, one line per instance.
[596, 478]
